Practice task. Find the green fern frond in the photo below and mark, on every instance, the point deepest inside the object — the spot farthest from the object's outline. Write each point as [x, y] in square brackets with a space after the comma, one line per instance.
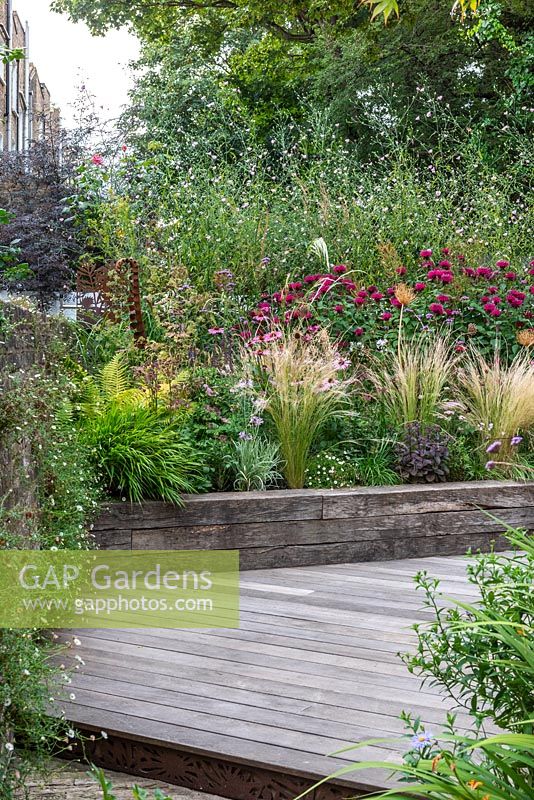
[131, 397]
[114, 380]
[65, 415]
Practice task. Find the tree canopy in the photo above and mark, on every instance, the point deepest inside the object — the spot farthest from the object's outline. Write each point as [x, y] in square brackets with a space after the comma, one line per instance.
[221, 67]
[293, 20]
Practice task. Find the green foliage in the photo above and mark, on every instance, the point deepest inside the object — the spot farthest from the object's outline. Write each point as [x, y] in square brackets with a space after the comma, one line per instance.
[253, 460]
[97, 342]
[376, 466]
[53, 496]
[331, 470]
[301, 389]
[262, 63]
[27, 732]
[10, 54]
[483, 654]
[295, 21]
[11, 270]
[138, 793]
[141, 453]
[112, 386]
[463, 768]
[69, 486]
[213, 216]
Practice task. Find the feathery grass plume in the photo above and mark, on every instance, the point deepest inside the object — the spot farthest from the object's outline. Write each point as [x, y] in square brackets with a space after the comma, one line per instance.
[303, 387]
[412, 386]
[319, 248]
[498, 399]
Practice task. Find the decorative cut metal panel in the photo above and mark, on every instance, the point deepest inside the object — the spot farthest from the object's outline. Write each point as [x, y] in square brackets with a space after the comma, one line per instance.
[202, 773]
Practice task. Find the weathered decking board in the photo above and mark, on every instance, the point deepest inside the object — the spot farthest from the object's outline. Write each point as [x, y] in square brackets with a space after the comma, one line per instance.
[254, 712]
[306, 527]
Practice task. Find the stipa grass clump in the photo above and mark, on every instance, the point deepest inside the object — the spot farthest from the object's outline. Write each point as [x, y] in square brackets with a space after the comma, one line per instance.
[303, 387]
[411, 385]
[498, 401]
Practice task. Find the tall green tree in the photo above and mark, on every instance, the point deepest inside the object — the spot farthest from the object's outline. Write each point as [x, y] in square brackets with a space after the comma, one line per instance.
[292, 20]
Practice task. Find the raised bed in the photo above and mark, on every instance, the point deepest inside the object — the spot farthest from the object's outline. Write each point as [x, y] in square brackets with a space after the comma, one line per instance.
[292, 528]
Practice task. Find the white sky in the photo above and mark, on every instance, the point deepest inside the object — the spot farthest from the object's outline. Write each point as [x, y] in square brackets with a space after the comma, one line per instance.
[67, 56]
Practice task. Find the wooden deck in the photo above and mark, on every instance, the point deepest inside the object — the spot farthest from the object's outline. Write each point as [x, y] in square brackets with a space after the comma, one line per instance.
[255, 712]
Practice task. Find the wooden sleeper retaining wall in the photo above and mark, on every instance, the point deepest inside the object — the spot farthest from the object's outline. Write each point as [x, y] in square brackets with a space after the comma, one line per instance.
[290, 528]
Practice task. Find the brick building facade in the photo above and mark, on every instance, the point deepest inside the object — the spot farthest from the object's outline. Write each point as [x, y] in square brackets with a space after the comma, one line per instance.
[26, 111]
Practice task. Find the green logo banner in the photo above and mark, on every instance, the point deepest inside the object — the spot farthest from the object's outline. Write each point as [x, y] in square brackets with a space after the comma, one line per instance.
[119, 589]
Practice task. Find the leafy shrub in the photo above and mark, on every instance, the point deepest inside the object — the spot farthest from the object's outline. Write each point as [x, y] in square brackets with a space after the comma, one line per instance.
[142, 453]
[33, 186]
[423, 454]
[483, 655]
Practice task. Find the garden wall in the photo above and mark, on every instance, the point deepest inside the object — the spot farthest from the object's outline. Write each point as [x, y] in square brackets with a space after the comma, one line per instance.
[303, 527]
[20, 349]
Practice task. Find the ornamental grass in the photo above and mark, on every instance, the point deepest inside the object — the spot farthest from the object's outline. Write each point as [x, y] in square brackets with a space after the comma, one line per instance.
[498, 400]
[412, 386]
[304, 387]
